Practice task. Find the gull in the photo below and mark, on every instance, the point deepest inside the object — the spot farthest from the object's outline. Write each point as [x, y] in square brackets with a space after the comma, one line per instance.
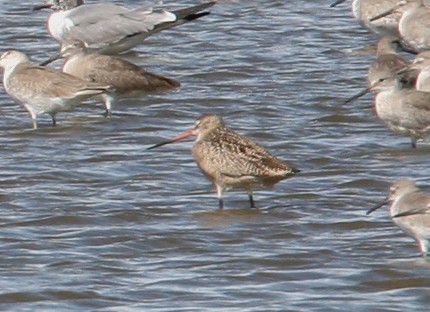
[111, 28]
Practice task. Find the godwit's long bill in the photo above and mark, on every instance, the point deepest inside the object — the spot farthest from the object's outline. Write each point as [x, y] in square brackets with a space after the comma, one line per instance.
[231, 160]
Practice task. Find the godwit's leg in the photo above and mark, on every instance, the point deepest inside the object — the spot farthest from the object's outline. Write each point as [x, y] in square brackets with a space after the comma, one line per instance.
[32, 115]
[220, 192]
[414, 142]
[251, 200]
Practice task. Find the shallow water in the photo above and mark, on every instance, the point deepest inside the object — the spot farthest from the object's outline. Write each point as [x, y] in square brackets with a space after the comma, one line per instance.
[92, 221]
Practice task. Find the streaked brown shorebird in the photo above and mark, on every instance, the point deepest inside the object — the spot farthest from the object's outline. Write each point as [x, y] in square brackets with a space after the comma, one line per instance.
[43, 90]
[128, 79]
[231, 160]
[410, 210]
[111, 28]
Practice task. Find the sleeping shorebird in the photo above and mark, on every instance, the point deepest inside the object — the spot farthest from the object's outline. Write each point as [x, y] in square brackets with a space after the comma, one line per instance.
[410, 210]
[43, 90]
[111, 28]
[127, 78]
[231, 160]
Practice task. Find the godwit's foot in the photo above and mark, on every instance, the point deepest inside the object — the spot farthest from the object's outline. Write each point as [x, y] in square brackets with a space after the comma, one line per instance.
[221, 204]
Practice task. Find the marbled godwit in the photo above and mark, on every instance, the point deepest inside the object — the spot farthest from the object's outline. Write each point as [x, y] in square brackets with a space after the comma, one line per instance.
[410, 210]
[43, 90]
[111, 28]
[230, 160]
[127, 78]
[364, 10]
[405, 111]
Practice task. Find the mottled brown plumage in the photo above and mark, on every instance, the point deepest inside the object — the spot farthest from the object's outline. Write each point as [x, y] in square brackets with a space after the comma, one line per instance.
[231, 160]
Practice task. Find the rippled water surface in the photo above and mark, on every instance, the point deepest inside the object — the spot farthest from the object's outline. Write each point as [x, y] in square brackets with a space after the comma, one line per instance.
[92, 221]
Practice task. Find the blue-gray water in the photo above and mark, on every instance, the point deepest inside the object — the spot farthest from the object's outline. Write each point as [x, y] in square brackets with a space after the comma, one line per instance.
[91, 221]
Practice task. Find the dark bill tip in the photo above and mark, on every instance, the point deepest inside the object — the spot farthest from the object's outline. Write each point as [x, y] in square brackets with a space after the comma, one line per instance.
[182, 136]
[158, 145]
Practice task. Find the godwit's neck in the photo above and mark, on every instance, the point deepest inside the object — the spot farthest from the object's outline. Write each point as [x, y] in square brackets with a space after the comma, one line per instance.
[202, 135]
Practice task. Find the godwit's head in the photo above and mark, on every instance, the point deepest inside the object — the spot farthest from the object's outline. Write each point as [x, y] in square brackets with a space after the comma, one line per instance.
[206, 124]
[202, 127]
